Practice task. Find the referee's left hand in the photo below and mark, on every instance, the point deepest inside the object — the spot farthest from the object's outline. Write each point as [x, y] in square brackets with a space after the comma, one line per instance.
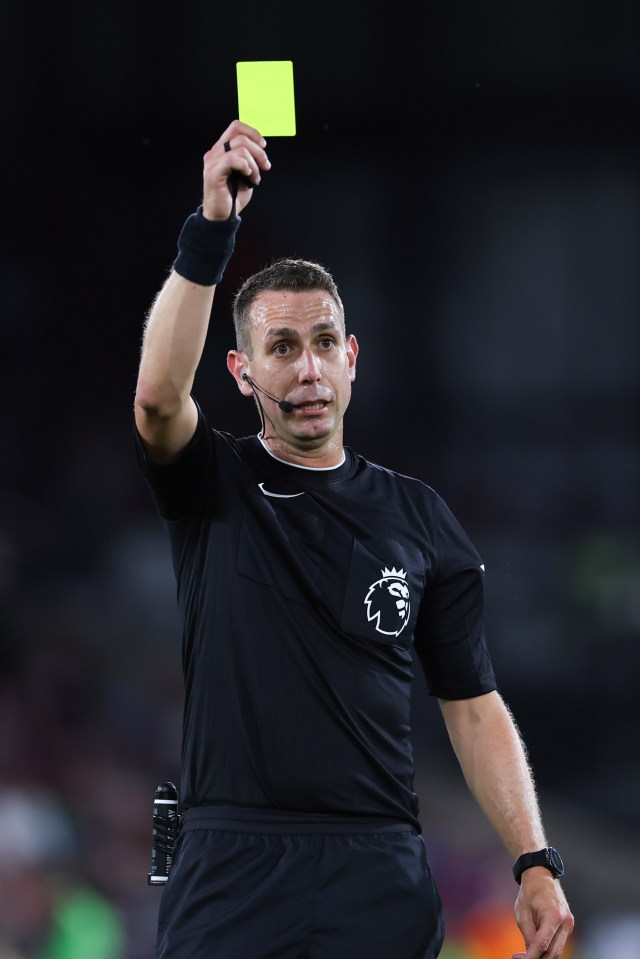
[543, 915]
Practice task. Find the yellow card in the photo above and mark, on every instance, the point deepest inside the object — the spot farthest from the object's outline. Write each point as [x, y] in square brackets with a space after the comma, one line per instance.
[265, 96]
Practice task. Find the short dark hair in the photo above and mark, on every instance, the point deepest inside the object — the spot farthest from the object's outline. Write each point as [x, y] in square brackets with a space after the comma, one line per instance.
[284, 274]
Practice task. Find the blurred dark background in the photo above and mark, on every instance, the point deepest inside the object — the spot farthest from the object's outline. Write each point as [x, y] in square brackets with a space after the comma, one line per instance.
[470, 174]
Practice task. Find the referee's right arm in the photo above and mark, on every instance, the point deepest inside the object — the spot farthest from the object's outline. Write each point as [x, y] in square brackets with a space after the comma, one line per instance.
[176, 328]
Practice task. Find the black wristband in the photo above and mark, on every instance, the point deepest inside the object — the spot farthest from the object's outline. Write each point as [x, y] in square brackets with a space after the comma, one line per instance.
[205, 247]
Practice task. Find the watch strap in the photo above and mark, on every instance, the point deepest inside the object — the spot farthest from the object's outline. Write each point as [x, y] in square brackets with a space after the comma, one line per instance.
[548, 857]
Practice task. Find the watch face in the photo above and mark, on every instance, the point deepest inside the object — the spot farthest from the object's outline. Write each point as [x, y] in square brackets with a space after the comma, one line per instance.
[556, 861]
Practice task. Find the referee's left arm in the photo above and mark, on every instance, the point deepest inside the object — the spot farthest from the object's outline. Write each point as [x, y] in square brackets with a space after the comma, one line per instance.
[494, 762]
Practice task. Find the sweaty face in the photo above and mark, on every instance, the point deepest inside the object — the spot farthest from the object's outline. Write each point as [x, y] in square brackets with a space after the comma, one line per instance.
[301, 354]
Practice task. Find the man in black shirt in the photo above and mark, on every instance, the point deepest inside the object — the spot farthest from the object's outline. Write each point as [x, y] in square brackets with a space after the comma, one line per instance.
[305, 576]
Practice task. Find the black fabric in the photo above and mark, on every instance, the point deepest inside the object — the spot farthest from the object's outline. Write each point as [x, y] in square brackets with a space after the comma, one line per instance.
[240, 895]
[302, 593]
[274, 822]
[204, 247]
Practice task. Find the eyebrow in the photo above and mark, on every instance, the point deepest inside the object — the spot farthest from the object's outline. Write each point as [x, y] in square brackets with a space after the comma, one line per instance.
[288, 332]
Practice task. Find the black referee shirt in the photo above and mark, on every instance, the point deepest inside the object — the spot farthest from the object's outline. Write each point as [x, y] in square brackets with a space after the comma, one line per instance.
[301, 592]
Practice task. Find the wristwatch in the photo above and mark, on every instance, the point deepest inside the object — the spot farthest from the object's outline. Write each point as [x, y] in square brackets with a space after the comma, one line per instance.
[549, 858]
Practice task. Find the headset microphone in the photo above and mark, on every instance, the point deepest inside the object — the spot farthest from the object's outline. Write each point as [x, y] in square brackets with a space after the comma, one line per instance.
[284, 405]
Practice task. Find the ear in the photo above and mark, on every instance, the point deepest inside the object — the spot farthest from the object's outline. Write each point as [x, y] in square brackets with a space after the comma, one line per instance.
[237, 364]
[352, 353]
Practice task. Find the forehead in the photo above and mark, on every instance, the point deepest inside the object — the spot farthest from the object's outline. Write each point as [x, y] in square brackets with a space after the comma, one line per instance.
[299, 312]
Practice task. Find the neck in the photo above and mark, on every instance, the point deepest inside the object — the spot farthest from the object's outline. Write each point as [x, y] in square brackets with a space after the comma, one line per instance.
[325, 457]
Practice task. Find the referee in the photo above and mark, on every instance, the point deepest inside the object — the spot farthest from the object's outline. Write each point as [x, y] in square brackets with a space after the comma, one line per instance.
[306, 575]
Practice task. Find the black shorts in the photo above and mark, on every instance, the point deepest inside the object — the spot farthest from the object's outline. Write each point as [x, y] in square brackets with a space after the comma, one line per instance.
[251, 884]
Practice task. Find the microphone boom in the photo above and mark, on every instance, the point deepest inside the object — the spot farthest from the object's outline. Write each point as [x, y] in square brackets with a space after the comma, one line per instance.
[284, 405]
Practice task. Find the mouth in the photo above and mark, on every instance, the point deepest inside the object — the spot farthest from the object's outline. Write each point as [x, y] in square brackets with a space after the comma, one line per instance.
[311, 407]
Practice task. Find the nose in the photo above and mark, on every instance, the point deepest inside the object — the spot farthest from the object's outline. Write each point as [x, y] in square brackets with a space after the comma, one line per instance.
[310, 370]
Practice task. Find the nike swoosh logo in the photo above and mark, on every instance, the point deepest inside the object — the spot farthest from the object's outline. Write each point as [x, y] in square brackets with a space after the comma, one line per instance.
[279, 495]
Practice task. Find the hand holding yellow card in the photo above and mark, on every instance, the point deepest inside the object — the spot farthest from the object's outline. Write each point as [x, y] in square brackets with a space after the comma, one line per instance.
[265, 96]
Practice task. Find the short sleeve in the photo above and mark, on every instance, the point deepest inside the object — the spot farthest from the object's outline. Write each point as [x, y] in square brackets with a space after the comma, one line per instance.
[178, 488]
[450, 637]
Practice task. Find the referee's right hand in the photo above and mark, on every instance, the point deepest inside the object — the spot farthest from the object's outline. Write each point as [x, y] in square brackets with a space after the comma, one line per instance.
[241, 151]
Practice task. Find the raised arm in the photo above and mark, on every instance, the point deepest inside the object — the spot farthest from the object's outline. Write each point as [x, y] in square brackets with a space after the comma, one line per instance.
[176, 328]
[494, 762]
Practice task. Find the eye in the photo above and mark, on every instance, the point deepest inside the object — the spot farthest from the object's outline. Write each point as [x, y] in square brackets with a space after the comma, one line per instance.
[327, 342]
[281, 349]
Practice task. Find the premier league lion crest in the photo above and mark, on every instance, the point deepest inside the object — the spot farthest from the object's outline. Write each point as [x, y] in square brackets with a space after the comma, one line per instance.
[388, 603]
